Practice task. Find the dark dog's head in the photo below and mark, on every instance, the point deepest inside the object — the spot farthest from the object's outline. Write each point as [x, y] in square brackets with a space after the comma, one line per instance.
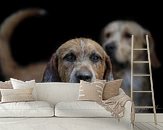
[78, 59]
[116, 40]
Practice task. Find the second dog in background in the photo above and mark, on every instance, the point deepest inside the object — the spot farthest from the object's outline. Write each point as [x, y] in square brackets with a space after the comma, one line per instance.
[116, 40]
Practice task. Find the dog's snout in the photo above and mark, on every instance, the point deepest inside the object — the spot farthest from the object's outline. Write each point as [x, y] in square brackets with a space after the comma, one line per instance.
[84, 75]
[110, 47]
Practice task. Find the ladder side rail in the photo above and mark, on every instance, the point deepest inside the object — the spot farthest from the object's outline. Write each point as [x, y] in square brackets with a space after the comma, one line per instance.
[132, 49]
[151, 81]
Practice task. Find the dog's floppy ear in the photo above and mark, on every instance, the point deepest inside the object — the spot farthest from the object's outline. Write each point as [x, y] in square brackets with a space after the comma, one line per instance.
[108, 75]
[51, 71]
[154, 60]
[102, 37]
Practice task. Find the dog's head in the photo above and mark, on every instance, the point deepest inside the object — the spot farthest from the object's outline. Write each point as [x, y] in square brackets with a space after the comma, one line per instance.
[78, 59]
[116, 40]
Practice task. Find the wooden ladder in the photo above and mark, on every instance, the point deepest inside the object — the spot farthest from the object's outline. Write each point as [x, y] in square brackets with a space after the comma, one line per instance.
[149, 75]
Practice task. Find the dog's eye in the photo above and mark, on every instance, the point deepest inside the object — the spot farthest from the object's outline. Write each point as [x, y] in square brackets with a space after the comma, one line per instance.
[70, 57]
[95, 58]
[107, 35]
[127, 35]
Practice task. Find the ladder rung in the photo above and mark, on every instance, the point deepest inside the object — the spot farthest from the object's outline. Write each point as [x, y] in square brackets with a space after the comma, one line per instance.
[142, 91]
[140, 61]
[137, 49]
[141, 74]
[144, 107]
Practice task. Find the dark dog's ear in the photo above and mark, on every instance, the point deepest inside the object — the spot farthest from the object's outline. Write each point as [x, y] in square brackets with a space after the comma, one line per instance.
[51, 71]
[154, 60]
[108, 75]
[102, 36]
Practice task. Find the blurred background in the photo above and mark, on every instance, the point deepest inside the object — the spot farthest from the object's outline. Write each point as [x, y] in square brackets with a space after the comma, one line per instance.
[36, 38]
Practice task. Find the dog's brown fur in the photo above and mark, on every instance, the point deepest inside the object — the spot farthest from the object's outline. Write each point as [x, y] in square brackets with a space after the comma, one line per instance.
[80, 55]
[8, 66]
[116, 40]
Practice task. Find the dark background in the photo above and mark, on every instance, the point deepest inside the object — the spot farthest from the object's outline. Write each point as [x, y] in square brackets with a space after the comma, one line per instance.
[36, 38]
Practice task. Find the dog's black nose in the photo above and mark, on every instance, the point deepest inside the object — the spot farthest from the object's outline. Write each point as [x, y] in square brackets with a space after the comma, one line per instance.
[83, 75]
[110, 48]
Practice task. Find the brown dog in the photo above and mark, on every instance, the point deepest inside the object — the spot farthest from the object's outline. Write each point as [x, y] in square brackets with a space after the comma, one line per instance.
[8, 66]
[78, 59]
[116, 40]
